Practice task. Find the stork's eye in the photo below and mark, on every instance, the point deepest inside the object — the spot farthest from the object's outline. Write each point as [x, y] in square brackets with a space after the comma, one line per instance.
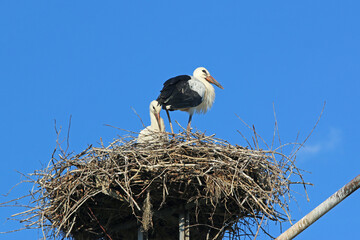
[204, 71]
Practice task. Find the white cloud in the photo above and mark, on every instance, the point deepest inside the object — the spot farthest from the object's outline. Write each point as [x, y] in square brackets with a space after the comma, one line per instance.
[329, 143]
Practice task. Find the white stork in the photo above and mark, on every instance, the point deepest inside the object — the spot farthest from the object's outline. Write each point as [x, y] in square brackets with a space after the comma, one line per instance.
[157, 126]
[188, 93]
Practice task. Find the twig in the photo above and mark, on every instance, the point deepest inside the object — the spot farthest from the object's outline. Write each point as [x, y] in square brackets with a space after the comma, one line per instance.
[102, 228]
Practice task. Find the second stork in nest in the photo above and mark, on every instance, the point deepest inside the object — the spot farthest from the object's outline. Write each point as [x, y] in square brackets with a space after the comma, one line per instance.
[189, 93]
[156, 128]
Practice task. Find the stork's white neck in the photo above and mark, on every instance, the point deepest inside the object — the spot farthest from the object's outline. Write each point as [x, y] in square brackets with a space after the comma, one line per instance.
[208, 98]
[153, 122]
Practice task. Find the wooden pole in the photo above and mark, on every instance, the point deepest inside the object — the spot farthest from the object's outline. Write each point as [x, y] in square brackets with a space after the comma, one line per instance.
[320, 210]
[184, 222]
[141, 234]
[187, 225]
[181, 226]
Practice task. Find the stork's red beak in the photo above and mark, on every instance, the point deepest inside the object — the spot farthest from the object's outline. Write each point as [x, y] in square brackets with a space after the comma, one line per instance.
[157, 115]
[212, 80]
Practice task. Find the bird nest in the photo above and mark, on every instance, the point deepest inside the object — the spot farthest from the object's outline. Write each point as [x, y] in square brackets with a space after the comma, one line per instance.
[108, 192]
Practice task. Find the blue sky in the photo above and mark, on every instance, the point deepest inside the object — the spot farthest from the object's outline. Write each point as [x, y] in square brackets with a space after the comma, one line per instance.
[95, 60]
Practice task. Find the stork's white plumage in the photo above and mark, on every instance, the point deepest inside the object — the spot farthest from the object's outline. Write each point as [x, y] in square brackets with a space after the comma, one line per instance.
[156, 129]
[189, 93]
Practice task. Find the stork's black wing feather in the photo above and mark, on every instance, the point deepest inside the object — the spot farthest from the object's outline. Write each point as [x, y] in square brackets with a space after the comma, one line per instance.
[177, 94]
[170, 85]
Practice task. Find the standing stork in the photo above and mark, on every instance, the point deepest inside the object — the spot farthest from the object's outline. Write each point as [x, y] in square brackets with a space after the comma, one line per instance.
[157, 126]
[188, 93]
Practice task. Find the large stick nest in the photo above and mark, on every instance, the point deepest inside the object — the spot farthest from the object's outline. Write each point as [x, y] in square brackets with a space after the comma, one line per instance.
[107, 192]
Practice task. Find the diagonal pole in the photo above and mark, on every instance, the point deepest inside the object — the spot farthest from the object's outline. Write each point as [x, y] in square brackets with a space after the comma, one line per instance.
[320, 210]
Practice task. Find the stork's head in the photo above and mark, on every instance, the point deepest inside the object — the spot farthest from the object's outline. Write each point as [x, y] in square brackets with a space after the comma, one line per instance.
[155, 109]
[203, 73]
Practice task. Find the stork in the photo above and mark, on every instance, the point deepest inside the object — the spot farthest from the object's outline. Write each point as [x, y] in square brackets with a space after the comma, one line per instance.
[157, 126]
[188, 93]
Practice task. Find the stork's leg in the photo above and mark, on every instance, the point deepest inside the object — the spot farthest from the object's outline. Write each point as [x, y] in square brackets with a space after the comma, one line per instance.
[189, 123]
[167, 112]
